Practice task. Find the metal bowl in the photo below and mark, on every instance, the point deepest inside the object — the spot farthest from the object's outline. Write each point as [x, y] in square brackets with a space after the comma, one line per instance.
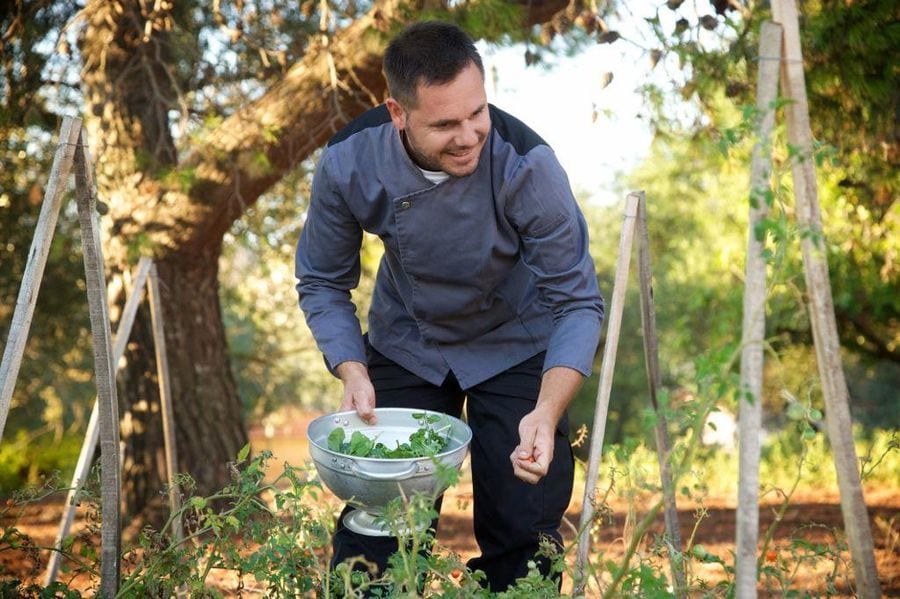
[371, 483]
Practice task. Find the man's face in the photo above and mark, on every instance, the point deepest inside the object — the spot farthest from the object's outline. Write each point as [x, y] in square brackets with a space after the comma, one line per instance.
[448, 127]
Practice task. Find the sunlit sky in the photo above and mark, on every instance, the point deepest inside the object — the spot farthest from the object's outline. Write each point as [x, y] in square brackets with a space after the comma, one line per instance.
[559, 104]
[559, 100]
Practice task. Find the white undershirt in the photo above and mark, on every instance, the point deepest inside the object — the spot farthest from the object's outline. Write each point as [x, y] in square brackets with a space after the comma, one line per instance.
[435, 177]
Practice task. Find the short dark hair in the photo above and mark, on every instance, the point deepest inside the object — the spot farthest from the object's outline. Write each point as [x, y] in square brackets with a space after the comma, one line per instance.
[433, 52]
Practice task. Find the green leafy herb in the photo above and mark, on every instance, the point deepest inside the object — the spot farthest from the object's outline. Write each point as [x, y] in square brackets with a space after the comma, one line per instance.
[336, 439]
[424, 442]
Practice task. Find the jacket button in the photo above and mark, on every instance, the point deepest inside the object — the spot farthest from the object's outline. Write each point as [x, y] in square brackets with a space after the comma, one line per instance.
[404, 205]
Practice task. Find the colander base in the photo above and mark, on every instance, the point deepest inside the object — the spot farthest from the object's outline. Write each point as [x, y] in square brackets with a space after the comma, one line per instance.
[365, 523]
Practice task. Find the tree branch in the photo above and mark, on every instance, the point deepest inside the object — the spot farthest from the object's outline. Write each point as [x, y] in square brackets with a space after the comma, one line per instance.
[255, 147]
[225, 171]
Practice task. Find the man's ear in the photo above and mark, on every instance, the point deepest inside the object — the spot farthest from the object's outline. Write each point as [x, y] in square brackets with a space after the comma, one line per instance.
[398, 114]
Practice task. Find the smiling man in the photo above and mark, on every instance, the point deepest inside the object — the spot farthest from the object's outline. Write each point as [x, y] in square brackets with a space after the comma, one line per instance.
[486, 295]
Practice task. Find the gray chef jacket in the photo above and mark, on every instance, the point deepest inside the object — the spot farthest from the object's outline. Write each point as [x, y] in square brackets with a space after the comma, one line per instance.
[479, 273]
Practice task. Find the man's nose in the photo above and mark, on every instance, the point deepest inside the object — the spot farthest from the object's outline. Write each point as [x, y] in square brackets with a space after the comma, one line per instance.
[467, 135]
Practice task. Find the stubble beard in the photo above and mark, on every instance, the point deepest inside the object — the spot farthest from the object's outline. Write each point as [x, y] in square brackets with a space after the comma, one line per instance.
[421, 159]
[431, 163]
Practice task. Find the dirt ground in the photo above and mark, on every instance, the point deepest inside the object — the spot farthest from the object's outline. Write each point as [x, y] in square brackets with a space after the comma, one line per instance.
[812, 517]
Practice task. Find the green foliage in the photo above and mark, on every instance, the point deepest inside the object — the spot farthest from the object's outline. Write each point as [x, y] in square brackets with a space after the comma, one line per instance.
[698, 228]
[273, 532]
[20, 590]
[780, 569]
[852, 83]
[646, 581]
[714, 471]
[853, 86]
[277, 534]
[30, 28]
[275, 359]
[27, 460]
[492, 20]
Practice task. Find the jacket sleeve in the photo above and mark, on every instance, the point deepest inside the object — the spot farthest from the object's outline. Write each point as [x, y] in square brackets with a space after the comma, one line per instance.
[554, 241]
[327, 267]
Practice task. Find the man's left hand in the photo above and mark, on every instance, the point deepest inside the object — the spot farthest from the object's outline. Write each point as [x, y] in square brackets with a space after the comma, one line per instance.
[537, 430]
[532, 457]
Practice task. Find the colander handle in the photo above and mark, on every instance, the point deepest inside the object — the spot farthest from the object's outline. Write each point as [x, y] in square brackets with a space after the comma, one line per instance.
[401, 475]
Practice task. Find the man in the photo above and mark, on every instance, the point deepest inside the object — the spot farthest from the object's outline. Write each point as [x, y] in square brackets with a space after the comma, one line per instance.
[486, 294]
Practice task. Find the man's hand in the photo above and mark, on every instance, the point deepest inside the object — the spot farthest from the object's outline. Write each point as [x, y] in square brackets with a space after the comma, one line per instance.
[531, 458]
[537, 430]
[359, 394]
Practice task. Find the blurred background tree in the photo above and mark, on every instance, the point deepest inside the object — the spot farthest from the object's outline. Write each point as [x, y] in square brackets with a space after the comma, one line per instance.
[204, 122]
[697, 181]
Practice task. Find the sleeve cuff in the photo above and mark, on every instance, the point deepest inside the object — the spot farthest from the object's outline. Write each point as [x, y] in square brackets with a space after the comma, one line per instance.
[574, 344]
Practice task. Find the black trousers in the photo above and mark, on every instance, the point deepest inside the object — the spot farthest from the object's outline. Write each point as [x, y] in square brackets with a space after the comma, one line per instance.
[510, 516]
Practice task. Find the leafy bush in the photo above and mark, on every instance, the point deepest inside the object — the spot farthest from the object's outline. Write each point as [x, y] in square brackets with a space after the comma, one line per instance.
[26, 461]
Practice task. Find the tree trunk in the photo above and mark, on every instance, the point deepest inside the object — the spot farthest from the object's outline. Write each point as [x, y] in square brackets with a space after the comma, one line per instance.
[208, 423]
[128, 94]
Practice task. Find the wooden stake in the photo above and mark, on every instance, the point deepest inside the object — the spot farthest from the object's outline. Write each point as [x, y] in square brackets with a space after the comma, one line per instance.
[165, 396]
[754, 321]
[95, 276]
[821, 309]
[37, 260]
[605, 386]
[654, 380]
[86, 456]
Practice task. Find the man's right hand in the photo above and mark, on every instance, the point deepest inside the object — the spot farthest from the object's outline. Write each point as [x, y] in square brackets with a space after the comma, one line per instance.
[359, 394]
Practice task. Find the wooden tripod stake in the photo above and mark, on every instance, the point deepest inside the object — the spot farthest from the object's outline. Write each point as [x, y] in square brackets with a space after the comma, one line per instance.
[635, 222]
[73, 149]
[754, 320]
[92, 435]
[146, 271]
[104, 373]
[825, 338]
[104, 423]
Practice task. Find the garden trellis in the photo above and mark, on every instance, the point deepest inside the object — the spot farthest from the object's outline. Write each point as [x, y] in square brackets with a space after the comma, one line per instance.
[103, 426]
[821, 312]
[635, 223]
[145, 277]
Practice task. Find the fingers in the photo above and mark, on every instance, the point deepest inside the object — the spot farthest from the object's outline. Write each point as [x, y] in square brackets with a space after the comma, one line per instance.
[360, 397]
[364, 409]
[528, 469]
[532, 456]
[365, 406]
[523, 458]
[359, 394]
